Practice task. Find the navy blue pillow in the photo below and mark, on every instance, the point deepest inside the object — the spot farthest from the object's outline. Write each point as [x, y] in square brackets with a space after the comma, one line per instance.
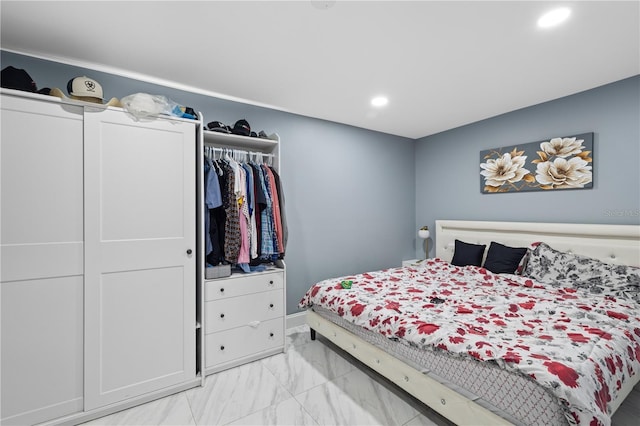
[467, 254]
[503, 259]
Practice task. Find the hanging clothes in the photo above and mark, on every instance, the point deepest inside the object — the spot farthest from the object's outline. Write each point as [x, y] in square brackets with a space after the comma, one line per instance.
[245, 218]
[260, 204]
[232, 237]
[243, 215]
[251, 199]
[207, 238]
[268, 247]
[283, 219]
[212, 201]
[275, 211]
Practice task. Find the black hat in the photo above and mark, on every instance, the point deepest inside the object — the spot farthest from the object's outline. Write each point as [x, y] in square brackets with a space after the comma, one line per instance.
[191, 112]
[13, 78]
[241, 128]
[218, 126]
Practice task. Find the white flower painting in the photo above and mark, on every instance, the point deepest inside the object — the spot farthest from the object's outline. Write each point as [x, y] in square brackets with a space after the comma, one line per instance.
[557, 163]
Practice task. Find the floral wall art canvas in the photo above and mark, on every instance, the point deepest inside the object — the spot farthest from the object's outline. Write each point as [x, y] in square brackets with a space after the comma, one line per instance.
[563, 162]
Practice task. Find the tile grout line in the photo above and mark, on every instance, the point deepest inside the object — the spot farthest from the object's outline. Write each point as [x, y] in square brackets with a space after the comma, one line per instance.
[193, 416]
[263, 364]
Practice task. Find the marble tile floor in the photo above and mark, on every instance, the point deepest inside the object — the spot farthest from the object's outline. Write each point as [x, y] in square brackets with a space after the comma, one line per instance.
[313, 383]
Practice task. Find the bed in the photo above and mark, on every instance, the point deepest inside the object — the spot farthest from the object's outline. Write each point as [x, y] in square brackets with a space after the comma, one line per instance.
[546, 345]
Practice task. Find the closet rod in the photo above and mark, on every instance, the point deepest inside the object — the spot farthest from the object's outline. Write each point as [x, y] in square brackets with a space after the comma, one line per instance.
[238, 151]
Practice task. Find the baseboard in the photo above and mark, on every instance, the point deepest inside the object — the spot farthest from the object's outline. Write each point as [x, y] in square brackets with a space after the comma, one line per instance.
[82, 417]
[295, 320]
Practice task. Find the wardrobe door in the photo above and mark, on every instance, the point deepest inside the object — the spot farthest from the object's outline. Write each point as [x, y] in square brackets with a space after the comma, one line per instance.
[139, 255]
[41, 253]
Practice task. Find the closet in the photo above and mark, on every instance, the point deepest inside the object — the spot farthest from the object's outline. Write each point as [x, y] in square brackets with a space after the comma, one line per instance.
[98, 249]
[42, 283]
[243, 312]
[140, 270]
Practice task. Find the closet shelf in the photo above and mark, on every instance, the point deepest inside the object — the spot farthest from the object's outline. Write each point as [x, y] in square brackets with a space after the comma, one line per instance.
[235, 141]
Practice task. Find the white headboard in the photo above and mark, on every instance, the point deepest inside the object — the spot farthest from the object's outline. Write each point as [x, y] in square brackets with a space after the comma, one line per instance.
[617, 244]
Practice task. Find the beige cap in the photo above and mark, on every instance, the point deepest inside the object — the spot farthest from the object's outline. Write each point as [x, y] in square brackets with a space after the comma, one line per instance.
[85, 88]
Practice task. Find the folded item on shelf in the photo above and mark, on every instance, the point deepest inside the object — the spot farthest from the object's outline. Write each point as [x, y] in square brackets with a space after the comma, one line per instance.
[19, 79]
[242, 128]
[219, 271]
[218, 126]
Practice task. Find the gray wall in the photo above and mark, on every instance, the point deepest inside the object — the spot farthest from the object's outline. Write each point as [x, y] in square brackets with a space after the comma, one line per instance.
[447, 164]
[349, 192]
[355, 198]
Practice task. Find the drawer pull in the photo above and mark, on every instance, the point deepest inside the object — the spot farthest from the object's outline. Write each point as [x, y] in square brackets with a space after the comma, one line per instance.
[254, 324]
[271, 305]
[222, 348]
[270, 334]
[271, 282]
[221, 315]
[222, 290]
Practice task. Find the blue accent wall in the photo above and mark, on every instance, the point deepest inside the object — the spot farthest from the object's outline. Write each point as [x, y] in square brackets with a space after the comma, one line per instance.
[349, 192]
[447, 178]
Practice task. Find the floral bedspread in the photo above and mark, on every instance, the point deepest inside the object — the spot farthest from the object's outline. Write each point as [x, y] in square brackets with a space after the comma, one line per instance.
[581, 347]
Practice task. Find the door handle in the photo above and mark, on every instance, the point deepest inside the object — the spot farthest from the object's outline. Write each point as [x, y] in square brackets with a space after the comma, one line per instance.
[189, 251]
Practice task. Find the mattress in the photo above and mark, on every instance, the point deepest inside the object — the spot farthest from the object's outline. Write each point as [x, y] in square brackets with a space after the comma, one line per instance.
[509, 395]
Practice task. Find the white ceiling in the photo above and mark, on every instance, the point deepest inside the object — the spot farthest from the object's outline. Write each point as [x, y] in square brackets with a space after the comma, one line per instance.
[442, 64]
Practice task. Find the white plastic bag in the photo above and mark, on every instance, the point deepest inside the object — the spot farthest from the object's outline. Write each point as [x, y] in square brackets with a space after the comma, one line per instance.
[142, 105]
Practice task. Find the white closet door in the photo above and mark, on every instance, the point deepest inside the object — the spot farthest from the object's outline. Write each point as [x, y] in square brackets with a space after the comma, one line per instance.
[41, 260]
[139, 255]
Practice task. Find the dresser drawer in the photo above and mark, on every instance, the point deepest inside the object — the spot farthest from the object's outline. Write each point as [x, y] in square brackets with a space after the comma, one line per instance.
[227, 346]
[233, 312]
[238, 285]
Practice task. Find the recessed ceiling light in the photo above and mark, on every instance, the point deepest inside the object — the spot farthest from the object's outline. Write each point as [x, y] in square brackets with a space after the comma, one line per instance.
[379, 101]
[554, 17]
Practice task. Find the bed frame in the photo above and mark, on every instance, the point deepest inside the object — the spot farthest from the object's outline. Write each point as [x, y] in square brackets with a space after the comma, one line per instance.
[617, 244]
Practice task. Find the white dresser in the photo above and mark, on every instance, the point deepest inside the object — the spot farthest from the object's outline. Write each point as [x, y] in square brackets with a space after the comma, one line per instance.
[244, 318]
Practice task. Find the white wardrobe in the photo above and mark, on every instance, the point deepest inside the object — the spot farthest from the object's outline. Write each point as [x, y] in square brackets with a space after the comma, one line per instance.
[98, 262]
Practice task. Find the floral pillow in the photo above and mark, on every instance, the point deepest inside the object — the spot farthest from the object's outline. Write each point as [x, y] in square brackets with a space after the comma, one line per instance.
[550, 266]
